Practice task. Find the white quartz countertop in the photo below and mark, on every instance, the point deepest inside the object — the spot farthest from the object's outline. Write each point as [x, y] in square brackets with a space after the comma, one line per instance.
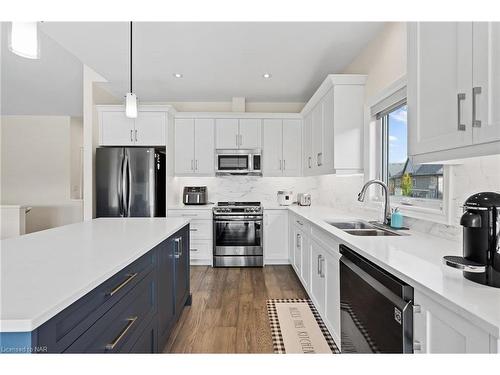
[417, 260]
[181, 206]
[44, 272]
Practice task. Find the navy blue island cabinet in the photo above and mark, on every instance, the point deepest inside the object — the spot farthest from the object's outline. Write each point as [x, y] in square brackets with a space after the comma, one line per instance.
[133, 311]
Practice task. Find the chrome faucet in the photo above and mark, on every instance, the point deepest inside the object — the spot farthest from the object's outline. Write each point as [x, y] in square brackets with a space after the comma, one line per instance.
[387, 205]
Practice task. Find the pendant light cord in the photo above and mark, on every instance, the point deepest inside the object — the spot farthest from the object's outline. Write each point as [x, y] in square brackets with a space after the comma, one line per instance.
[131, 56]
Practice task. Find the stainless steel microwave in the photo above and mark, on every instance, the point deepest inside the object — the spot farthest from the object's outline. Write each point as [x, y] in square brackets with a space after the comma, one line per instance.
[238, 162]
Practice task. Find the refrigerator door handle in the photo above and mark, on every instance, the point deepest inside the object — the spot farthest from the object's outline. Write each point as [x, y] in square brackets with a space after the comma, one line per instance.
[123, 208]
[129, 187]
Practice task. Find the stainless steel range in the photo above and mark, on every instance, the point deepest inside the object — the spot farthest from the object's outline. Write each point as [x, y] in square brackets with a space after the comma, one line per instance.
[238, 234]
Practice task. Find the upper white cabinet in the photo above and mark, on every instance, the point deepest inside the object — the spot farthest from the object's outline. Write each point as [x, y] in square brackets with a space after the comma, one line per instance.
[250, 133]
[238, 133]
[333, 126]
[486, 81]
[194, 151]
[453, 89]
[282, 147]
[115, 129]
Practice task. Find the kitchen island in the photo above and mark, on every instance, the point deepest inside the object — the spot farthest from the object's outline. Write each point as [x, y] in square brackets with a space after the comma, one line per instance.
[106, 285]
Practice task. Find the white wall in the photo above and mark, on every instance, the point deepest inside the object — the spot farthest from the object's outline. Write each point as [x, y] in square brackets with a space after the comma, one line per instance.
[36, 168]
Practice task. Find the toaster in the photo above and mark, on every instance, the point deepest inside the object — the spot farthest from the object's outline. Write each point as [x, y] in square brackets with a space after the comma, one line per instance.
[304, 199]
[194, 195]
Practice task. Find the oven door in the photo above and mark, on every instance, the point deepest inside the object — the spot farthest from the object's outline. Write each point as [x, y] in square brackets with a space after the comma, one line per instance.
[237, 235]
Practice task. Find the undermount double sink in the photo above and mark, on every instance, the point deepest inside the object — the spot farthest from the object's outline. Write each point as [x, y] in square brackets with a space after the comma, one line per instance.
[363, 228]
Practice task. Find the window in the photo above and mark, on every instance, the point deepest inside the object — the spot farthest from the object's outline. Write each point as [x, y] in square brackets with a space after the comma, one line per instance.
[409, 184]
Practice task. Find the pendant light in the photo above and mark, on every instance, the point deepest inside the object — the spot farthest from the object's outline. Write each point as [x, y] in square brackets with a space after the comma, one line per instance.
[23, 39]
[131, 98]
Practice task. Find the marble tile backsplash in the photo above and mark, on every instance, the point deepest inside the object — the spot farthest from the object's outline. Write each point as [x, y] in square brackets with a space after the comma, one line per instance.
[338, 191]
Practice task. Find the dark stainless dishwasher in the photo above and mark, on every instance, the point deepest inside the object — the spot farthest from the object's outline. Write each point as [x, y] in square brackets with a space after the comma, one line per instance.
[376, 308]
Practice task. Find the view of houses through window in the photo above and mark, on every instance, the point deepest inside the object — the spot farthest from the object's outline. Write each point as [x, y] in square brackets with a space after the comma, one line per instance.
[409, 183]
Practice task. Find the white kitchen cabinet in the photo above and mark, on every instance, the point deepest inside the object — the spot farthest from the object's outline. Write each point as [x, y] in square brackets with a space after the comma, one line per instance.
[200, 226]
[238, 133]
[439, 85]
[150, 128]
[486, 81]
[250, 133]
[184, 146]
[317, 290]
[332, 293]
[437, 329]
[275, 236]
[227, 133]
[273, 147]
[194, 147]
[307, 145]
[282, 147]
[204, 147]
[115, 129]
[333, 127]
[453, 90]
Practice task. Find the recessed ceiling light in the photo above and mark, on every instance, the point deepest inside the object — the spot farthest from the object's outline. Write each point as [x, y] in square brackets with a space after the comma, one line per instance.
[178, 75]
[266, 75]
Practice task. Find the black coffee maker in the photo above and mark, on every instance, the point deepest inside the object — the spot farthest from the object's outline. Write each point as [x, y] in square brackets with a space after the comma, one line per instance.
[481, 237]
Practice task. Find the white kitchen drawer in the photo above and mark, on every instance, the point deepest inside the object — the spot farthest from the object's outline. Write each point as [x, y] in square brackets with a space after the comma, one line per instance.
[189, 213]
[301, 223]
[200, 229]
[200, 249]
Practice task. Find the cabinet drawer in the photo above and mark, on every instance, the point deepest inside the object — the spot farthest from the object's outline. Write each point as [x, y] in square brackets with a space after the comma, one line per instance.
[193, 214]
[62, 330]
[201, 249]
[119, 329]
[200, 229]
[301, 224]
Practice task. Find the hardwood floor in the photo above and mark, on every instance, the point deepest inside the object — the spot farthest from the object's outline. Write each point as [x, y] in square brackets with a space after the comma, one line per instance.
[228, 313]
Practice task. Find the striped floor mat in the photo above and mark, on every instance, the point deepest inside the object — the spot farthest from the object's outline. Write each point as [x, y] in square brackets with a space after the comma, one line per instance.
[297, 327]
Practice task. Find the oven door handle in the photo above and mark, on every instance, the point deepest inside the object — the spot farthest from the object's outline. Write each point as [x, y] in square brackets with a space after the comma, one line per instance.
[238, 220]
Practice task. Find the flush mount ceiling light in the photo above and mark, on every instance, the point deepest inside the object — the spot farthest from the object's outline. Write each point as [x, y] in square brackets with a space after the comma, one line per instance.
[131, 98]
[266, 75]
[23, 39]
[178, 75]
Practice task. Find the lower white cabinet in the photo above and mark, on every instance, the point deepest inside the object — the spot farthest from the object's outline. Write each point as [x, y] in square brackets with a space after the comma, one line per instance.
[318, 282]
[275, 236]
[332, 292]
[201, 229]
[436, 329]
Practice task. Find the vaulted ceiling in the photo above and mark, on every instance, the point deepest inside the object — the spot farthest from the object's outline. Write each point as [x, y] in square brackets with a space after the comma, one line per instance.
[217, 60]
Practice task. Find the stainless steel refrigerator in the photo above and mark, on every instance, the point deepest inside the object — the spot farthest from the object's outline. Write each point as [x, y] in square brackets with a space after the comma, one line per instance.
[130, 182]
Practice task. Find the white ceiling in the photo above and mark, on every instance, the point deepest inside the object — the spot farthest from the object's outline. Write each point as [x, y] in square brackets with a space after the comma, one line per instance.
[218, 60]
[51, 85]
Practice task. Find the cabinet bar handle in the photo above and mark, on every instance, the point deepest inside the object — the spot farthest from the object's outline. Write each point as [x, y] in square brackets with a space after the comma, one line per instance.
[321, 263]
[281, 165]
[309, 161]
[129, 278]
[194, 249]
[417, 346]
[196, 164]
[192, 163]
[115, 342]
[135, 134]
[475, 122]
[193, 230]
[284, 164]
[299, 222]
[178, 252]
[460, 126]
[131, 139]
[241, 139]
[298, 241]
[318, 265]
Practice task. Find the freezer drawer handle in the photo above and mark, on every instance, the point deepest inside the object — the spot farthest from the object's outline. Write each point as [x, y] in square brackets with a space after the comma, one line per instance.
[129, 278]
[118, 338]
